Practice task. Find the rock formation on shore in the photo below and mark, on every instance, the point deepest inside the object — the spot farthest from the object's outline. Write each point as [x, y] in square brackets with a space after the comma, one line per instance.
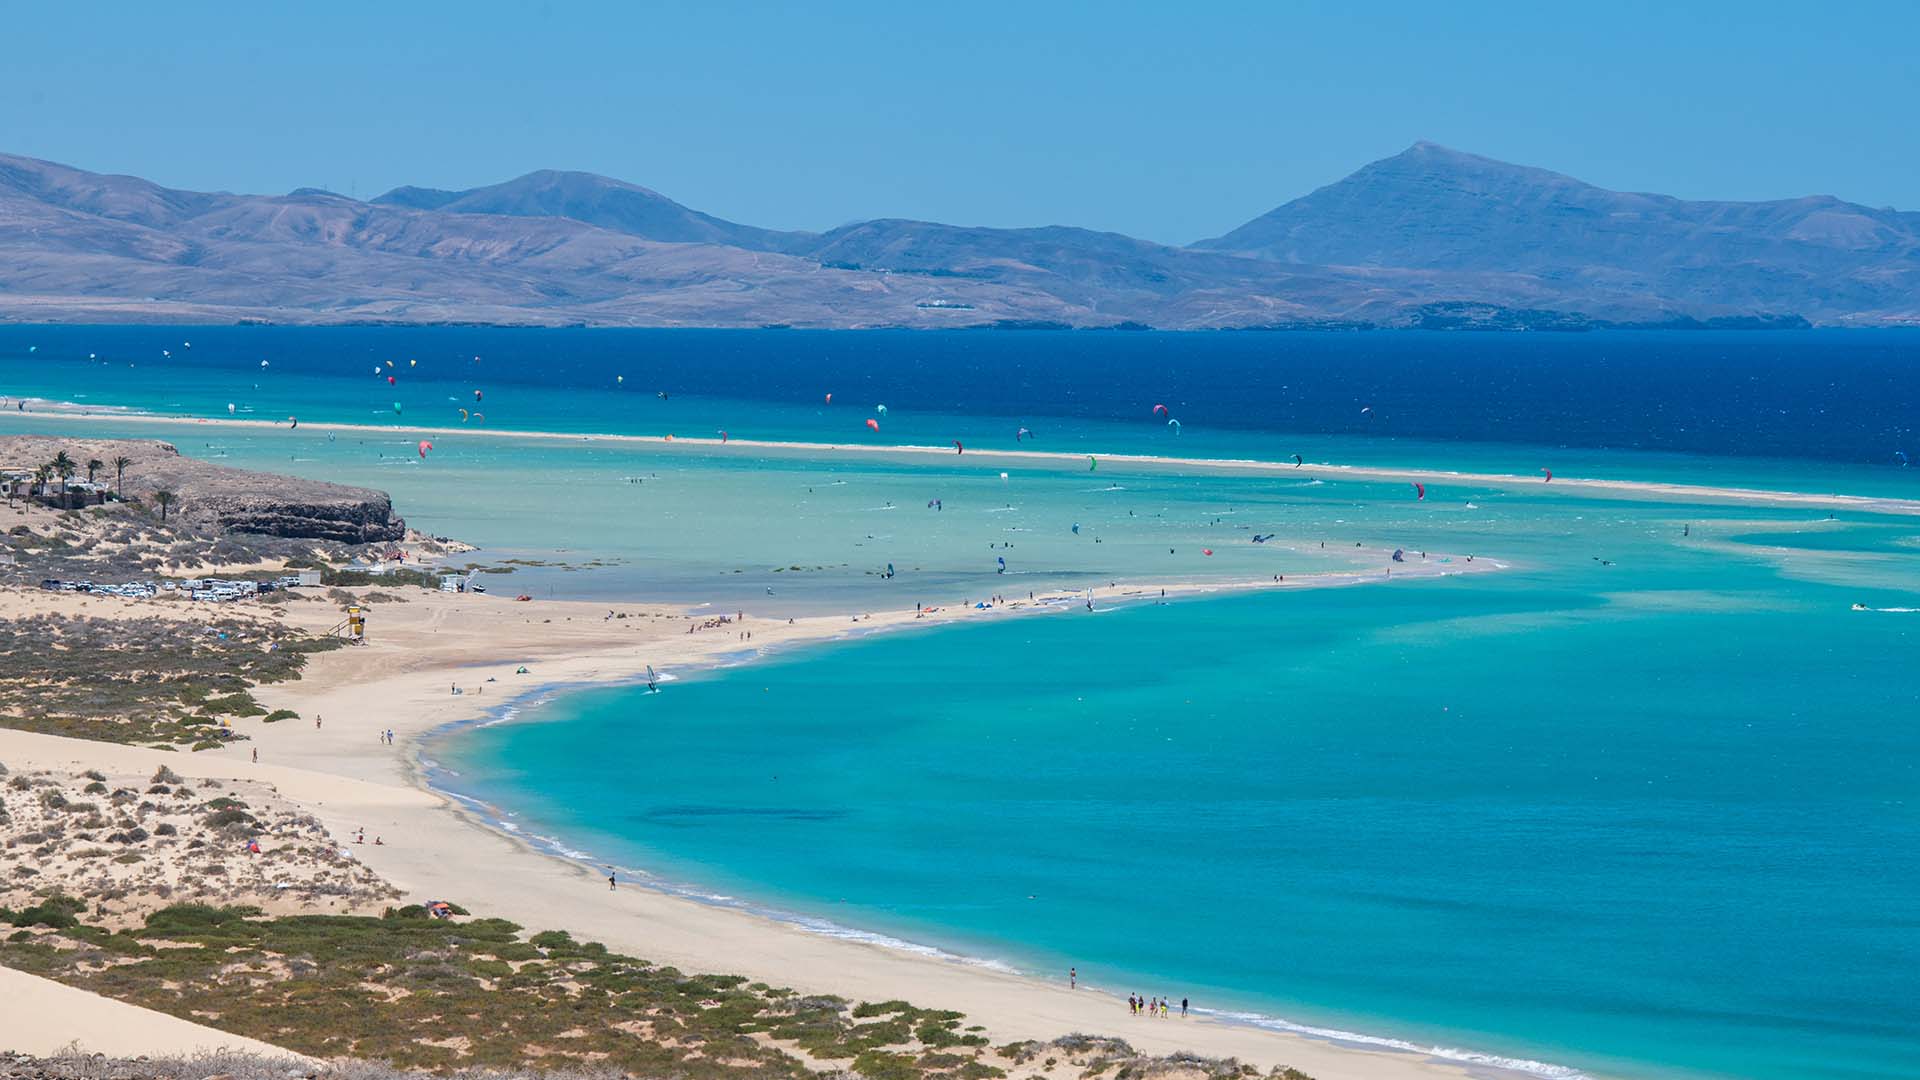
[219, 498]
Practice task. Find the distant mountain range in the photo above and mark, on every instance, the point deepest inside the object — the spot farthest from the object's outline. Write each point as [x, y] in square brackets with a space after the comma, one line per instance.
[1430, 237]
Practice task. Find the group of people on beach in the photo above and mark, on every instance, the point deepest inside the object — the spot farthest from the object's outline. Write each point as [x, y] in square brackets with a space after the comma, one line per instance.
[1136, 1004]
[1159, 1006]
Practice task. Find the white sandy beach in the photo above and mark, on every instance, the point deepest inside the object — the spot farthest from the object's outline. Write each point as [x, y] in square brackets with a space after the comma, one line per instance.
[1627, 489]
[433, 848]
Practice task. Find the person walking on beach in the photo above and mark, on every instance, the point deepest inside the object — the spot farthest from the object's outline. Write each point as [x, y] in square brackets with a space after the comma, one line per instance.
[1073, 978]
[1183, 1008]
[256, 755]
[612, 880]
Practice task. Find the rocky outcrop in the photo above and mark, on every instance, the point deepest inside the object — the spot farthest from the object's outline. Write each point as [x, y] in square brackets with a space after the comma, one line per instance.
[220, 499]
[365, 518]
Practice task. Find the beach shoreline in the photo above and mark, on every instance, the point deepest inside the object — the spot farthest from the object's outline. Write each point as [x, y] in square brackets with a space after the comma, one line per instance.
[1626, 489]
[426, 670]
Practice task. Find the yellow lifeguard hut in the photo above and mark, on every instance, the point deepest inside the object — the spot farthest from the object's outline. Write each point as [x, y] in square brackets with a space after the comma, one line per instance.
[356, 624]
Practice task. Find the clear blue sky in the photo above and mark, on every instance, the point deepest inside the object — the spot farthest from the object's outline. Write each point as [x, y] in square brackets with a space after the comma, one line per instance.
[1168, 121]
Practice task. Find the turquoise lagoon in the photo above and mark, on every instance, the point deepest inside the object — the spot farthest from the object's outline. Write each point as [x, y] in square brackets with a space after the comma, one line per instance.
[1643, 804]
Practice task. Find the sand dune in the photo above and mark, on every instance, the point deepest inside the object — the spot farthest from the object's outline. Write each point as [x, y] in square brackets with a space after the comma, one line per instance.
[43, 1017]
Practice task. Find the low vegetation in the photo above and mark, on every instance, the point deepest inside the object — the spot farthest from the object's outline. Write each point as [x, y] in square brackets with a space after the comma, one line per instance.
[449, 996]
[123, 541]
[439, 995]
[158, 680]
[133, 843]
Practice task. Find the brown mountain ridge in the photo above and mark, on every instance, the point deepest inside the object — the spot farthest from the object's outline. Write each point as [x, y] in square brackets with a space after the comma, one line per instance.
[1428, 237]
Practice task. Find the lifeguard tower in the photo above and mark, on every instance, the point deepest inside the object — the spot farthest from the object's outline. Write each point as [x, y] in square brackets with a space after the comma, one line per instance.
[354, 626]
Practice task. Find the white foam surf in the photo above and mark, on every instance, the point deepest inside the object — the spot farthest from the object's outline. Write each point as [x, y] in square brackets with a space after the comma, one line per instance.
[1530, 1067]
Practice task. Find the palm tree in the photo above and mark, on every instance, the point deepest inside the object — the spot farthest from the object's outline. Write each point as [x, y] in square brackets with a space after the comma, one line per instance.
[64, 467]
[94, 465]
[42, 476]
[120, 471]
[164, 499]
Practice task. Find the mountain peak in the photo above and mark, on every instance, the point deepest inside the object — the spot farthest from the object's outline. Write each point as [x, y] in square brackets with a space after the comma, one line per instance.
[1427, 148]
[575, 180]
[1431, 158]
[600, 201]
[1430, 208]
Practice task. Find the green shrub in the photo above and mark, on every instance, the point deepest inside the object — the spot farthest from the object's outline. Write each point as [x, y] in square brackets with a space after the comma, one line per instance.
[516, 951]
[278, 715]
[240, 704]
[352, 578]
[57, 912]
[881, 1065]
[191, 918]
[231, 816]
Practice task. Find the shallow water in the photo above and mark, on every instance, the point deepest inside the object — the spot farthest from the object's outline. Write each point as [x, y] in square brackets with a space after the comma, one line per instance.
[1642, 804]
[1643, 818]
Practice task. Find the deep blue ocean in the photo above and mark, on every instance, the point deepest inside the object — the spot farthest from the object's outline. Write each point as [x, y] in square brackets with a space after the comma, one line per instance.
[1645, 804]
[1838, 396]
